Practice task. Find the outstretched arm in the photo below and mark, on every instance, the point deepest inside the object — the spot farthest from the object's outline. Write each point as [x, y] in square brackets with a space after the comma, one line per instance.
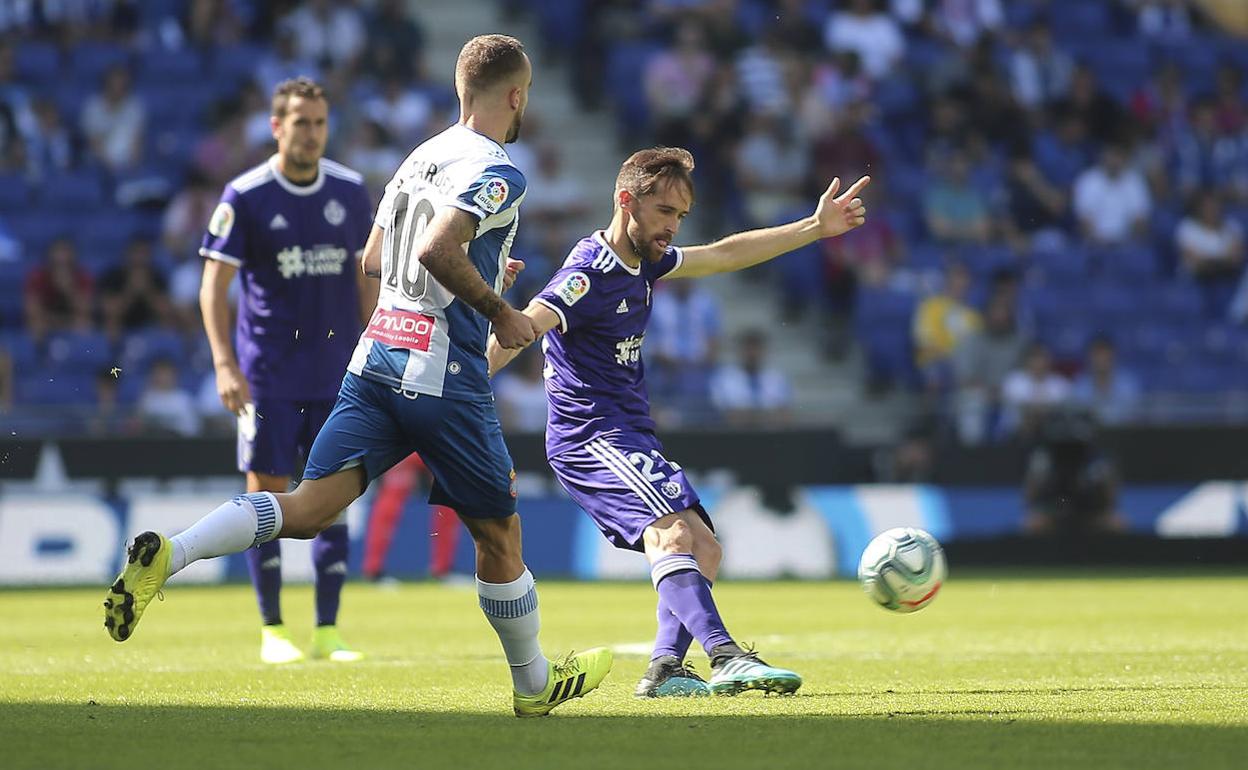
[544, 319]
[833, 216]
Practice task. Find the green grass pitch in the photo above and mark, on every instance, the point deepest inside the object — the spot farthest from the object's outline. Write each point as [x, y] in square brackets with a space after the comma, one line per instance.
[1026, 670]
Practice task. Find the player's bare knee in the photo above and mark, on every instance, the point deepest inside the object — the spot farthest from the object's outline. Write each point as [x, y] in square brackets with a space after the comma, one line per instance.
[709, 553]
[669, 535]
[498, 538]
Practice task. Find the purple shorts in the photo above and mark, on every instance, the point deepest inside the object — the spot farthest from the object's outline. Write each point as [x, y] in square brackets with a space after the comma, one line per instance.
[625, 484]
[279, 435]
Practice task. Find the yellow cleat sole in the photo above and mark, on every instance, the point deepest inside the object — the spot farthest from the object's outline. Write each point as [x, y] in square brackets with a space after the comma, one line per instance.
[121, 614]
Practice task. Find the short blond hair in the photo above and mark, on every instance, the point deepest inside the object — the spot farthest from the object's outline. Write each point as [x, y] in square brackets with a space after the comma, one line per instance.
[487, 60]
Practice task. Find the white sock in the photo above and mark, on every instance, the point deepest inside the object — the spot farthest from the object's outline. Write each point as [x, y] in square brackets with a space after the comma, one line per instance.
[512, 609]
[247, 520]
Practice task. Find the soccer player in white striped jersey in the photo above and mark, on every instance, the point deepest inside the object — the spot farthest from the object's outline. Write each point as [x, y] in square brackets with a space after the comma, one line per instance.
[417, 382]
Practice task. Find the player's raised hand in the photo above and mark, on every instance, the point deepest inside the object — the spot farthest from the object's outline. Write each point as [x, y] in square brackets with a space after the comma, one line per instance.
[232, 388]
[514, 329]
[840, 214]
[514, 266]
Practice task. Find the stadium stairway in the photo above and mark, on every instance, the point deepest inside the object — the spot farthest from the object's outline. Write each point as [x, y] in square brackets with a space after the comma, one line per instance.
[825, 394]
[585, 139]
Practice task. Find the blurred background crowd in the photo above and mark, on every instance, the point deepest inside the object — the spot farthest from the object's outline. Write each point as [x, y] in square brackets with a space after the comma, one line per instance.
[1056, 217]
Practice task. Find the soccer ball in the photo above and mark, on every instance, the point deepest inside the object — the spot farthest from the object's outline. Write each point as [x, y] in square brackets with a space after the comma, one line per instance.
[902, 569]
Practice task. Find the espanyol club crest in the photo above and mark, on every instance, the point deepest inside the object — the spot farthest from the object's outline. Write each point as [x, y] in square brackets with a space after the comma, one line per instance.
[335, 214]
[671, 489]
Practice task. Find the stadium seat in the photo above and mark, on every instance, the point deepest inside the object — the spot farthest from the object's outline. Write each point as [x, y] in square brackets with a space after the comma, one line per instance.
[89, 60]
[1179, 302]
[78, 350]
[14, 192]
[59, 389]
[883, 309]
[562, 22]
[22, 348]
[1081, 21]
[73, 190]
[625, 64]
[140, 348]
[181, 67]
[38, 62]
[237, 63]
[39, 229]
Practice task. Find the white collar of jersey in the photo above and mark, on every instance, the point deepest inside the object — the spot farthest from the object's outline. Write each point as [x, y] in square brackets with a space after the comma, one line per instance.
[475, 132]
[602, 241]
[297, 189]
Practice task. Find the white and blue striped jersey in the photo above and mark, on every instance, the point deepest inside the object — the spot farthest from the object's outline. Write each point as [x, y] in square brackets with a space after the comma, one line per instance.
[422, 338]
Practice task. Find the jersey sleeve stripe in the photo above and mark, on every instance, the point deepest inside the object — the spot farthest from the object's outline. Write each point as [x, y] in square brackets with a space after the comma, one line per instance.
[680, 259]
[334, 168]
[476, 212]
[221, 256]
[563, 319]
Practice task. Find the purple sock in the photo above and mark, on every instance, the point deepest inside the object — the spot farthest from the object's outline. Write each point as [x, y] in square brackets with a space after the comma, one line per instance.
[264, 562]
[688, 594]
[329, 557]
[673, 638]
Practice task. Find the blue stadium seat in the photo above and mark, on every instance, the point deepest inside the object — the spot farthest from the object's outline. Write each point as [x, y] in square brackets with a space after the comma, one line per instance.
[39, 229]
[889, 355]
[74, 350]
[883, 309]
[1062, 267]
[38, 62]
[1081, 21]
[12, 281]
[140, 348]
[107, 230]
[625, 64]
[1179, 302]
[1111, 303]
[73, 190]
[90, 60]
[562, 22]
[14, 192]
[183, 67]
[237, 63]
[22, 348]
[60, 389]
[897, 97]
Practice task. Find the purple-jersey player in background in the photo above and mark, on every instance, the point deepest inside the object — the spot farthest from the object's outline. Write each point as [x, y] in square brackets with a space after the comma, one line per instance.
[293, 229]
[600, 439]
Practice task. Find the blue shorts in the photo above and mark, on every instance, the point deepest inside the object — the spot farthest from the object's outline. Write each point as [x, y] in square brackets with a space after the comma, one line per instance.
[376, 426]
[625, 484]
[278, 434]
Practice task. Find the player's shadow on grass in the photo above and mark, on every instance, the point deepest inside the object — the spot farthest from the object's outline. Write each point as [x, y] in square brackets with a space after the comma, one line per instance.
[172, 737]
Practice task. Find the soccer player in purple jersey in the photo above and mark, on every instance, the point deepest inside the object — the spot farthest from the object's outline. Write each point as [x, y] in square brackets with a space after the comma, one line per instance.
[417, 382]
[600, 439]
[292, 229]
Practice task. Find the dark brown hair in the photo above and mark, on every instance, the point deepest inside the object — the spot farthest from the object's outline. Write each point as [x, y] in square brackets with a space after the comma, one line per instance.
[487, 60]
[303, 87]
[646, 170]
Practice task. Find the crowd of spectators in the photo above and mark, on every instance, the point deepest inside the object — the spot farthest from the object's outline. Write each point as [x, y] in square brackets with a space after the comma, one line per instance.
[1050, 177]
[1060, 186]
[120, 123]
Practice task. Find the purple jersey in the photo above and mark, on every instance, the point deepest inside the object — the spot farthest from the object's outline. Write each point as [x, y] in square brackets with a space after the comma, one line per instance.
[595, 378]
[296, 249]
